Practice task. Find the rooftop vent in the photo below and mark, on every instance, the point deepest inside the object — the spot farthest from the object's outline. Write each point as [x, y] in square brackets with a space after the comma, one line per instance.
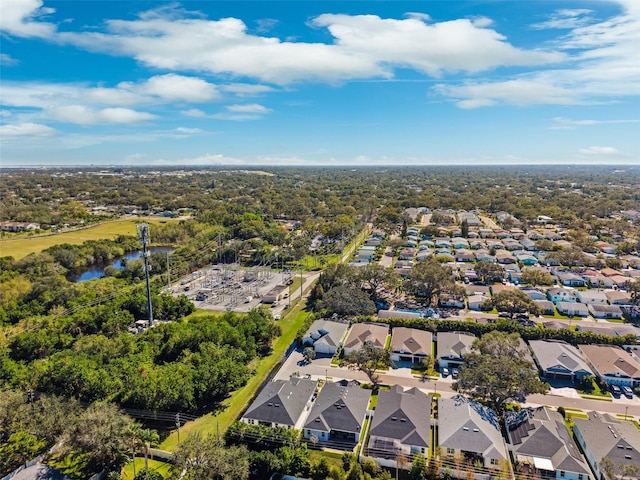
[476, 430]
[466, 429]
[277, 405]
[403, 419]
[394, 418]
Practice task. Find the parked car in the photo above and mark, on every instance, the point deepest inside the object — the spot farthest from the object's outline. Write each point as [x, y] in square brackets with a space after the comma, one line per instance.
[277, 316]
[615, 389]
[628, 391]
[445, 372]
[504, 315]
[201, 297]
[455, 373]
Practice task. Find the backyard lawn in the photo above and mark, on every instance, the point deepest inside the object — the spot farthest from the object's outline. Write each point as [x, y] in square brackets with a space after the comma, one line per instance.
[161, 467]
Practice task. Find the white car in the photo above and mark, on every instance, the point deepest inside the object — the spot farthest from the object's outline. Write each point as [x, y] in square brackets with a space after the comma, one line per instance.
[445, 372]
[277, 316]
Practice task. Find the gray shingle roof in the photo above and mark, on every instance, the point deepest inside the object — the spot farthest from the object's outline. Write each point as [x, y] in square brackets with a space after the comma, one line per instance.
[541, 433]
[607, 437]
[454, 345]
[326, 332]
[469, 427]
[559, 357]
[340, 408]
[403, 415]
[281, 401]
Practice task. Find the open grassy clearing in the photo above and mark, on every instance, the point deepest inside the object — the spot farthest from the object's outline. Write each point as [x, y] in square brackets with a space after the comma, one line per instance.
[22, 246]
[161, 467]
[204, 313]
[233, 406]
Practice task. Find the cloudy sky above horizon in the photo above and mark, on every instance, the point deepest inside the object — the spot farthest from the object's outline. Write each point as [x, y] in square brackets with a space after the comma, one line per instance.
[319, 83]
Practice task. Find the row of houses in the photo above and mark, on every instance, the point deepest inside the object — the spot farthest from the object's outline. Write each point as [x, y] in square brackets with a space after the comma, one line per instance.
[555, 359]
[8, 226]
[457, 432]
[611, 303]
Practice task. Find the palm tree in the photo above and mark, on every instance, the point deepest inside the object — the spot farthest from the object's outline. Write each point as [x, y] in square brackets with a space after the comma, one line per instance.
[133, 433]
[149, 438]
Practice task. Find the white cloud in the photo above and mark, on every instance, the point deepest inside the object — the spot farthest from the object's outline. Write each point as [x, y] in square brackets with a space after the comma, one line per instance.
[566, 18]
[134, 157]
[423, 17]
[82, 115]
[206, 159]
[563, 123]
[364, 46]
[26, 129]
[18, 18]
[193, 112]
[604, 65]
[457, 45]
[512, 92]
[601, 151]
[155, 90]
[179, 87]
[481, 22]
[7, 60]
[187, 131]
[476, 103]
[266, 24]
[5, 113]
[246, 89]
[250, 108]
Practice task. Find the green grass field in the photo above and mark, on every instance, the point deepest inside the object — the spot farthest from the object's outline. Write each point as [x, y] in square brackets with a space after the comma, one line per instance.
[20, 247]
[160, 467]
[233, 406]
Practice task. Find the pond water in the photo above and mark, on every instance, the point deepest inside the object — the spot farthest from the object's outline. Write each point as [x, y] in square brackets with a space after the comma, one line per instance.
[97, 270]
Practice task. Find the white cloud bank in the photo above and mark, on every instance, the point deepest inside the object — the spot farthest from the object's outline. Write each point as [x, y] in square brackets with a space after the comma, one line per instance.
[603, 65]
[26, 129]
[364, 46]
[601, 151]
[82, 115]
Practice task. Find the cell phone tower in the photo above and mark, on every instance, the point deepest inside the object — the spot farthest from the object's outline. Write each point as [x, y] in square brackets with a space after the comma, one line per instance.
[143, 234]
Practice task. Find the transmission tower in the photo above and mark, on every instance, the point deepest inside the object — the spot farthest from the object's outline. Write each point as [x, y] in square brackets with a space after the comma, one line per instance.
[143, 234]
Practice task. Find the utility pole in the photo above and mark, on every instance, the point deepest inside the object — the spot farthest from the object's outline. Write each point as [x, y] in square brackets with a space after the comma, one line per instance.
[178, 425]
[143, 234]
[168, 272]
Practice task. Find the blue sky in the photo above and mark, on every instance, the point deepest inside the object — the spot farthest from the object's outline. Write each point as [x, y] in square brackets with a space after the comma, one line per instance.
[319, 83]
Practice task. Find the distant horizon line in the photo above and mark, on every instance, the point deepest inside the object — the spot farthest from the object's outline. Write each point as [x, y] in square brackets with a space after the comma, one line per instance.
[345, 165]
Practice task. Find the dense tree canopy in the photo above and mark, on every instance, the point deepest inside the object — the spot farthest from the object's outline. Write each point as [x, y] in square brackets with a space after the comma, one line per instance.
[512, 302]
[368, 359]
[428, 279]
[497, 370]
